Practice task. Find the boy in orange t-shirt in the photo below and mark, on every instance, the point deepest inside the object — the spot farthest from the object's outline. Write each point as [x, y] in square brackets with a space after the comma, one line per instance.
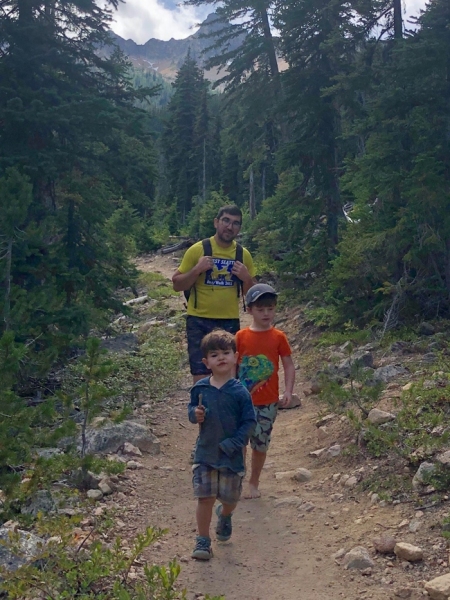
[260, 348]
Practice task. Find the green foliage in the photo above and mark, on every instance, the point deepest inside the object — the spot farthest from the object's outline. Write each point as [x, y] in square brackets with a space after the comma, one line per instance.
[359, 393]
[93, 370]
[15, 416]
[66, 569]
[156, 286]
[200, 224]
[146, 78]
[152, 372]
[186, 138]
[68, 565]
[355, 336]
[74, 149]
[114, 384]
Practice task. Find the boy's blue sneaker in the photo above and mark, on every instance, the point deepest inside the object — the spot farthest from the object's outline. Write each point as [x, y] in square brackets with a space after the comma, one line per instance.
[202, 550]
[224, 528]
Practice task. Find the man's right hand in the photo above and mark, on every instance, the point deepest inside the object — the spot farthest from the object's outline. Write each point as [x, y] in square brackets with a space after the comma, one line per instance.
[204, 264]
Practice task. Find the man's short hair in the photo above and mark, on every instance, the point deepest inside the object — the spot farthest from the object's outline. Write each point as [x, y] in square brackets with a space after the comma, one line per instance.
[219, 339]
[230, 209]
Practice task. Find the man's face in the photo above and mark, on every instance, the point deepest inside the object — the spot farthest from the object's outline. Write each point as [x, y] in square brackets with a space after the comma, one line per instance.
[227, 227]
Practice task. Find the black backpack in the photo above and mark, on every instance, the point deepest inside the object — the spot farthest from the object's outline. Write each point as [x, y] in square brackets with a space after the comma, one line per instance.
[207, 251]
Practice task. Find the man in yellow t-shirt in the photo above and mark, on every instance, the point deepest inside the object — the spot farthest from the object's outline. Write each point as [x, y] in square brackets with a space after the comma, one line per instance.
[213, 300]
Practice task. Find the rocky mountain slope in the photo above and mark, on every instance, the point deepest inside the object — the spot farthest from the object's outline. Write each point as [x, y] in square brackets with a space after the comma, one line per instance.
[165, 57]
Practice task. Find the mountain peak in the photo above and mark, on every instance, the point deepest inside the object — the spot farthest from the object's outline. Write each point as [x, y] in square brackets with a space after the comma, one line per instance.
[166, 57]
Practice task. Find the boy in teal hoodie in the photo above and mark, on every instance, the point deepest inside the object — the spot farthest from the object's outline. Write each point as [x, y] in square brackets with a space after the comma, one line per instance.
[224, 410]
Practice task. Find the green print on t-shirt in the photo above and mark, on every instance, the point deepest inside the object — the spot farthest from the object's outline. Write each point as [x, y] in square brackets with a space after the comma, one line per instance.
[254, 371]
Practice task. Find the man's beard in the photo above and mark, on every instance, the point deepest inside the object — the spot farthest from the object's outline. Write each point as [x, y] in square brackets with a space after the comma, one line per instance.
[225, 240]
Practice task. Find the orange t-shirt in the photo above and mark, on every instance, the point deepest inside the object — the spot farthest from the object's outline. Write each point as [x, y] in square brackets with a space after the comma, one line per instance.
[259, 355]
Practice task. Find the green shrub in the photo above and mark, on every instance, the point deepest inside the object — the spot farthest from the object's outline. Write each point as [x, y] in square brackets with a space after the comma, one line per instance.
[68, 567]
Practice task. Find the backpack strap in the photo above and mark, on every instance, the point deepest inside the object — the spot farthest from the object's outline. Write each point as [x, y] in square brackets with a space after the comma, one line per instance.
[207, 251]
[239, 282]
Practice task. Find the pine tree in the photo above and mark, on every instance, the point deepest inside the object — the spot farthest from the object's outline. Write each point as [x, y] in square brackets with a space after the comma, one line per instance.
[184, 136]
[399, 243]
[69, 124]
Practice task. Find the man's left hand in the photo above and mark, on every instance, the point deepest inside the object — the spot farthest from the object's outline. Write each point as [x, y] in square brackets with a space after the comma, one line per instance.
[240, 270]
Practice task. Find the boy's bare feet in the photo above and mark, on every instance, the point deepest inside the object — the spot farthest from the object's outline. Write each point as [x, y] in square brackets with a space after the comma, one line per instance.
[252, 492]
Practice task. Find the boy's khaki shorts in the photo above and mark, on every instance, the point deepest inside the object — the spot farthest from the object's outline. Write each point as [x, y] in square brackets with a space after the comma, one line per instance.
[265, 418]
[224, 484]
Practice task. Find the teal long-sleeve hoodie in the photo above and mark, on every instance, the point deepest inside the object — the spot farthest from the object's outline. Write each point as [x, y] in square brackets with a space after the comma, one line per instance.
[229, 420]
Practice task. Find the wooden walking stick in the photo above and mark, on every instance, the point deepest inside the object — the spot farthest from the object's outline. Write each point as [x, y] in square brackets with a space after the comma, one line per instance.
[200, 403]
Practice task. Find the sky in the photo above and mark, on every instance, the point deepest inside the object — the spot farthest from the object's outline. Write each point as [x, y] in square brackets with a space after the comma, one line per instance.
[141, 20]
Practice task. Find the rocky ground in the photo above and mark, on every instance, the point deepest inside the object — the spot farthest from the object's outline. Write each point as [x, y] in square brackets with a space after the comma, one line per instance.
[319, 531]
[293, 542]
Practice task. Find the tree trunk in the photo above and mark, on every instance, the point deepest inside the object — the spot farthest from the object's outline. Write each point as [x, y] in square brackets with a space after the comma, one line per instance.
[251, 201]
[398, 20]
[204, 170]
[270, 46]
[447, 267]
[263, 184]
[7, 307]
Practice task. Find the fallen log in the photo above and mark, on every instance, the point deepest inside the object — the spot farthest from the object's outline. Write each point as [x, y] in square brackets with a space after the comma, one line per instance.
[174, 247]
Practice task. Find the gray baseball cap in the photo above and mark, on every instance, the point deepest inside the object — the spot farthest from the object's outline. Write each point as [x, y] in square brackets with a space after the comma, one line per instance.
[258, 290]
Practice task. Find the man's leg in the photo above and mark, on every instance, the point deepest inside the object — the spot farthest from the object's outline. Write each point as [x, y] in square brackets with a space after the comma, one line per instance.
[196, 329]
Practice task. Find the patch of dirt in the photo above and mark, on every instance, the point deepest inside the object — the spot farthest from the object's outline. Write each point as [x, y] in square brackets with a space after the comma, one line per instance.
[277, 552]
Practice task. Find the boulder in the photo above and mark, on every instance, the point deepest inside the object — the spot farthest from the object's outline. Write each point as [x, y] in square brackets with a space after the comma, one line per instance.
[384, 544]
[294, 403]
[408, 552]
[444, 458]
[378, 417]
[280, 475]
[359, 359]
[295, 501]
[422, 475]
[439, 588]
[325, 420]
[302, 475]
[25, 550]
[114, 435]
[385, 374]
[334, 451]
[95, 494]
[358, 558]
[41, 502]
[426, 328]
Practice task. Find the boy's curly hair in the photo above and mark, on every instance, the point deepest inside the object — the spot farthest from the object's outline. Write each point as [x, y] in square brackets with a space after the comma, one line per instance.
[219, 339]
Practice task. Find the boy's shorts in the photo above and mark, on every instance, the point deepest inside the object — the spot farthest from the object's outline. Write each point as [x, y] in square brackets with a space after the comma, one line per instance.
[196, 329]
[224, 484]
[265, 418]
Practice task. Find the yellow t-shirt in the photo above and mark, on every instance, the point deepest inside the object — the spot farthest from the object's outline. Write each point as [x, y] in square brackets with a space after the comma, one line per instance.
[216, 291]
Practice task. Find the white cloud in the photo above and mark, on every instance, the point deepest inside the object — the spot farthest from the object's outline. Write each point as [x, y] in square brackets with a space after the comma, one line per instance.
[412, 7]
[141, 20]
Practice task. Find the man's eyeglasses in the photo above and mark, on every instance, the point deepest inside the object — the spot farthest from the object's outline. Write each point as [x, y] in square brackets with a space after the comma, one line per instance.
[226, 221]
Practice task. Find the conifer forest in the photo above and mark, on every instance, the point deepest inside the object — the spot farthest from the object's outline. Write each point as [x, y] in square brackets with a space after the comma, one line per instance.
[329, 124]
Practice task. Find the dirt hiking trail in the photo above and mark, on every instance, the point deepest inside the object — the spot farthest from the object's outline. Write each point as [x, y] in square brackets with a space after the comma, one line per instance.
[283, 543]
